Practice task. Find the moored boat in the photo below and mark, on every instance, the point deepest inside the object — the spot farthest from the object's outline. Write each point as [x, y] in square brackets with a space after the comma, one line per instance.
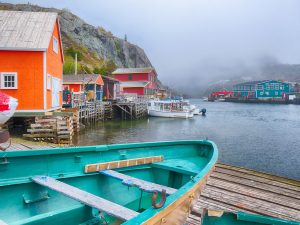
[8, 107]
[170, 109]
[108, 184]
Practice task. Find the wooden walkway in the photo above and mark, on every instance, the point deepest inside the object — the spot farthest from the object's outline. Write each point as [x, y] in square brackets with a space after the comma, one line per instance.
[233, 189]
[21, 146]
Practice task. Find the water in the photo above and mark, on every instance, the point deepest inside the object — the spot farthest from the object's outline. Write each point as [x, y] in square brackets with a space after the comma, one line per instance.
[263, 137]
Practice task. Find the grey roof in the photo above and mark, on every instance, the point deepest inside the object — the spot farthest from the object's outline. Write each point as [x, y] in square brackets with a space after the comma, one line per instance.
[134, 84]
[26, 30]
[80, 78]
[132, 70]
[113, 80]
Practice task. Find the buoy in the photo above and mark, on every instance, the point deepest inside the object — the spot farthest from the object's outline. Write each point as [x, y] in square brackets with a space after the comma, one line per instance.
[203, 111]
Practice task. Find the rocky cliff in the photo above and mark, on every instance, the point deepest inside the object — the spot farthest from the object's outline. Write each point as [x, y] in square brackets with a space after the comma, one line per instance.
[96, 46]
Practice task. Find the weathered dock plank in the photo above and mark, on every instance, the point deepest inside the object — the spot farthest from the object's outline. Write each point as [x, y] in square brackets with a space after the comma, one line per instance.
[233, 189]
[21, 146]
[257, 178]
[259, 185]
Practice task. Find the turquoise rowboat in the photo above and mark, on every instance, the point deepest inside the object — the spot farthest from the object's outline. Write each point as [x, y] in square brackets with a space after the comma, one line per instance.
[241, 218]
[142, 183]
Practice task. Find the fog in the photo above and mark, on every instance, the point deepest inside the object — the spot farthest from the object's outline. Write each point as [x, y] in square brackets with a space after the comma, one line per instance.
[192, 43]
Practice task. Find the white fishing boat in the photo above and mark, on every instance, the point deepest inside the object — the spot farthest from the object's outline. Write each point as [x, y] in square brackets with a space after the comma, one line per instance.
[170, 109]
[8, 107]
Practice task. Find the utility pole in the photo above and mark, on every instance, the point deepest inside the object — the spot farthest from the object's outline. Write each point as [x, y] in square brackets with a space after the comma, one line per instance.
[75, 63]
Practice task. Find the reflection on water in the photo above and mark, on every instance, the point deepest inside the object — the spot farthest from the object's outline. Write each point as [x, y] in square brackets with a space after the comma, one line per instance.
[259, 136]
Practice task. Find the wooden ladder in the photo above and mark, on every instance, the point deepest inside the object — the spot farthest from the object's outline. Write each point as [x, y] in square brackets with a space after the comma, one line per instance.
[86, 198]
[135, 182]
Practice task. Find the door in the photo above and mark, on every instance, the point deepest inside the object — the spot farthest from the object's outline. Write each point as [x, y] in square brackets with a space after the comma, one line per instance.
[55, 91]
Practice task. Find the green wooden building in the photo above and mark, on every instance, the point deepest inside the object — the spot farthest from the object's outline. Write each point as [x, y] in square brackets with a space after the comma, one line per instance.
[264, 89]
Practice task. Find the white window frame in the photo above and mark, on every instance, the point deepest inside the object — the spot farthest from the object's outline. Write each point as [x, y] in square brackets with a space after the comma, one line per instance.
[3, 74]
[49, 80]
[55, 45]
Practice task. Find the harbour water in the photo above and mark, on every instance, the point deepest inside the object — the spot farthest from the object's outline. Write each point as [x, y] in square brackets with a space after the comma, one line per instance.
[263, 137]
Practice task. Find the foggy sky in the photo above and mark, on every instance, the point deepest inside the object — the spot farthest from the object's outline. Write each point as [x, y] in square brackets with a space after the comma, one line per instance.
[198, 40]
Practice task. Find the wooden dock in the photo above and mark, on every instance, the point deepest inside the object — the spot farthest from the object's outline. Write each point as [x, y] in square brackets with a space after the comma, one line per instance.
[22, 146]
[131, 107]
[232, 189]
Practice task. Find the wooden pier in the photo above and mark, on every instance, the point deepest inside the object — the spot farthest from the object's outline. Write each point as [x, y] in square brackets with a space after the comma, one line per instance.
[131, 107]
[232, 189]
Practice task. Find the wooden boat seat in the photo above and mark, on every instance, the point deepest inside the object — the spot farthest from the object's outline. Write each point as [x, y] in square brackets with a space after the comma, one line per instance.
[135, 182]
[96, 167]
[86, 198]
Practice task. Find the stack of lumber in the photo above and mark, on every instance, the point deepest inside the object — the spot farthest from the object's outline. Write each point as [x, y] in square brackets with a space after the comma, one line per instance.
[76, 118]
[58, 129]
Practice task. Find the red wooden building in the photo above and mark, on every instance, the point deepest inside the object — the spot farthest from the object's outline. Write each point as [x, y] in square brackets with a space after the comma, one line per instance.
[222, 94]
[31, 60]
[141, 81]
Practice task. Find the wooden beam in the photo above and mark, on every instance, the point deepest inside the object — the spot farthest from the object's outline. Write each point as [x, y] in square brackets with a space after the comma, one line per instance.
[142, 184]
[34, 114]
[121, 163]
[86, 198]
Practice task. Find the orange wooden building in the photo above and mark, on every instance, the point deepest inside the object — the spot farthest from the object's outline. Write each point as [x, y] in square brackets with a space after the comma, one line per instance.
[31, 60]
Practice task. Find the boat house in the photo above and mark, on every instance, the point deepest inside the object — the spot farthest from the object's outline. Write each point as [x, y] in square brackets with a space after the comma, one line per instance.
[140, 81]
[31, 60]
[265, 89]
[85, 84]
[111, 88]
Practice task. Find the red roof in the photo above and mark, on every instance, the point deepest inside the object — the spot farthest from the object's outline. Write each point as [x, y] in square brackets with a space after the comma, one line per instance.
[224, 92]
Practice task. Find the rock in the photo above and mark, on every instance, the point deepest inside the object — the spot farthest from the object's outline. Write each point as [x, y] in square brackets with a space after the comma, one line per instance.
[96, 40]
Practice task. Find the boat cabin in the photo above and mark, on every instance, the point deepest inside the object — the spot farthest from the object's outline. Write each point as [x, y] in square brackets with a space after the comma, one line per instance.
[111, 88]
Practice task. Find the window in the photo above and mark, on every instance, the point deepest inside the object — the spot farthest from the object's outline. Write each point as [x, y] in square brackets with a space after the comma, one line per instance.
[55, 45]
[49, 82]
[129, 76]
[9, 80]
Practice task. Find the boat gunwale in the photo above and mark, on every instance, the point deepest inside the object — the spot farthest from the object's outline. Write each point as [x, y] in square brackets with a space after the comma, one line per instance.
[98, 148]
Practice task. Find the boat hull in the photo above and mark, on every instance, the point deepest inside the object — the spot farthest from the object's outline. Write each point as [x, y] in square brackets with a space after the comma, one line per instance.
[183, 165]
[170, 114]
[8, 106]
